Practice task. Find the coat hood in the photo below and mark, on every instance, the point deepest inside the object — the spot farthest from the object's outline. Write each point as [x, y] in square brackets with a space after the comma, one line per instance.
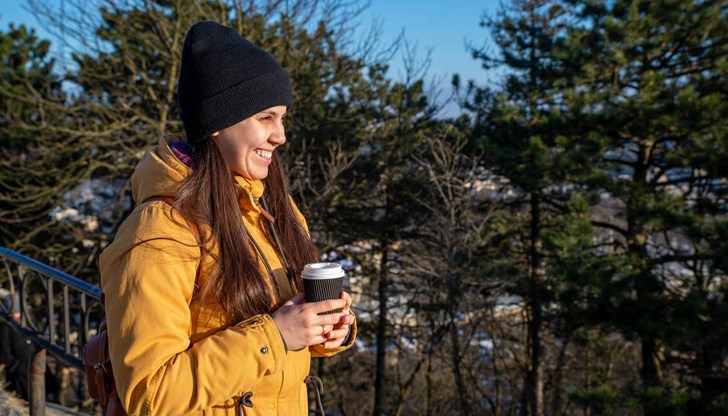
[159, 173]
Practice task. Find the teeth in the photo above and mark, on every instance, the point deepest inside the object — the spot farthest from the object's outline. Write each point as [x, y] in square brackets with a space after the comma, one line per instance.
[264, 154]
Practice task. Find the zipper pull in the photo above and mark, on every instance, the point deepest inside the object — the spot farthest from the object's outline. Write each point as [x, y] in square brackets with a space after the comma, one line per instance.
[265, 213]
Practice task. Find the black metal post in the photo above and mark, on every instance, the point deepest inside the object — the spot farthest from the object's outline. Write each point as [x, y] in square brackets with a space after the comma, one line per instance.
[50, 329]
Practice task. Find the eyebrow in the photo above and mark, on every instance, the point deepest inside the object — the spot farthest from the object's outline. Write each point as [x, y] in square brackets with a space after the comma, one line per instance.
[273, 113]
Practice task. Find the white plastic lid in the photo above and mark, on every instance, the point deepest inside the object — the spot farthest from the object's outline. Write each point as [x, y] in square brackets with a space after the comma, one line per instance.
[322, 271]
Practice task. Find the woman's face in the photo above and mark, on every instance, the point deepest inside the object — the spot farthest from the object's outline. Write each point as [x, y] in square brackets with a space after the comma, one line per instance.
[248, 146]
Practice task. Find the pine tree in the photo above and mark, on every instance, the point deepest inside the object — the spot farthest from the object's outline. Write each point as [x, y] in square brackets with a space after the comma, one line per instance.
[518, 128]
[37, 166]
[647, 100]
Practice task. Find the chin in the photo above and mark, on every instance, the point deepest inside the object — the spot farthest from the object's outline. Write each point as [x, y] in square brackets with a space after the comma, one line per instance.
[261, 176]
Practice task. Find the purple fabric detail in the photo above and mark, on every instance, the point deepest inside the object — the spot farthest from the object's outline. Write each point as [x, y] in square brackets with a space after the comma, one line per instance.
[183, 151]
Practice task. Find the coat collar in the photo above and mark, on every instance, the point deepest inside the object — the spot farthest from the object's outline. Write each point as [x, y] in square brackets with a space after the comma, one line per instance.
[249, 193]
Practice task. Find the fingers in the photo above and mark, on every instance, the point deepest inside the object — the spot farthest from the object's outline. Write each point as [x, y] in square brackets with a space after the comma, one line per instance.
[344, 320]
[331, 319]
[344, 323]
[308, 323]
[348, 320]
[338, 333]
[327, 305]
[319, 332]
[333, 343]
[322, 324]
[345, 296]
[340, 326]
[341, 329]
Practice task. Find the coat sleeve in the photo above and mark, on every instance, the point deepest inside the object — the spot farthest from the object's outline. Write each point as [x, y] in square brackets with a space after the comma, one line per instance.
[148, 277]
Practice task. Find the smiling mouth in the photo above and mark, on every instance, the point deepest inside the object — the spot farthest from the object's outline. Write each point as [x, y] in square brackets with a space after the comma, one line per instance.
[264, 154]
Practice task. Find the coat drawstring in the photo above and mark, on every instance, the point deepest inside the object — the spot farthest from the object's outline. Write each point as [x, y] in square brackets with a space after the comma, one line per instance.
[244, 401]
[318, 386]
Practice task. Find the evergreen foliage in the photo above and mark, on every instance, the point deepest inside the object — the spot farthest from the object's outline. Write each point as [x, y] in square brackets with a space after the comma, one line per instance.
[610, 105]
[558, 248]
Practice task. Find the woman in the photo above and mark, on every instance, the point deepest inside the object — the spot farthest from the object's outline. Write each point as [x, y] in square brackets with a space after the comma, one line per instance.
[217, 328]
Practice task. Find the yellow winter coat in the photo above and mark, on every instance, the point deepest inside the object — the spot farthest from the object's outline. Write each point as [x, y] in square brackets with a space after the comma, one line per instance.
[173, 353]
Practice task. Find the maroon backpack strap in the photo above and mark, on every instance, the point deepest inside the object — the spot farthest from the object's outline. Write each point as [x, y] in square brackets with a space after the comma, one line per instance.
[97, 365]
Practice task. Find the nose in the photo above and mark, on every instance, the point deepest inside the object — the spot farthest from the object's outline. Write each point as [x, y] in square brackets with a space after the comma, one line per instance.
[278, 135]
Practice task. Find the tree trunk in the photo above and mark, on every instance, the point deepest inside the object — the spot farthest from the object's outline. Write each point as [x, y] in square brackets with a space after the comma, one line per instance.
[380, 374]
[648, 372]
[428, 376]
[455, 357]
[535, 387]
[535, 373]
[558, 378]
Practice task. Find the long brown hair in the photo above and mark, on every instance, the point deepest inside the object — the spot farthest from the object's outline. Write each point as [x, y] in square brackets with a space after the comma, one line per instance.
[208, 197]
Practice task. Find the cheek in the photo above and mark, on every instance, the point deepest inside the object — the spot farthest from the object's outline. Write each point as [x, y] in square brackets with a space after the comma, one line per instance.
[231, 154]
[239, 159]
[227, 151]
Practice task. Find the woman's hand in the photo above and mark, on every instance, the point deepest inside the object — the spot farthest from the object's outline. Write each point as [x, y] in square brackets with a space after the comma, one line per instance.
[301, 326]
[340, 330]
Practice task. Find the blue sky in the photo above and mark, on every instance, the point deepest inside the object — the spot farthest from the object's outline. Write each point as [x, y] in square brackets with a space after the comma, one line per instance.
[442, 26]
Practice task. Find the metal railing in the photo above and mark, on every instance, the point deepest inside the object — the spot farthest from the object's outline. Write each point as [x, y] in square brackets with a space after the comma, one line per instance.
[57, 312]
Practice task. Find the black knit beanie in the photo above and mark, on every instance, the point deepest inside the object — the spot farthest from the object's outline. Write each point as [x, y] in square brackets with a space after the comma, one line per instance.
[225, 79]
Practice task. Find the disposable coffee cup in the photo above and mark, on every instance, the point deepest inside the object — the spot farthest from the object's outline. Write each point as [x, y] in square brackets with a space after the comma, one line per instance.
[322, 281]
